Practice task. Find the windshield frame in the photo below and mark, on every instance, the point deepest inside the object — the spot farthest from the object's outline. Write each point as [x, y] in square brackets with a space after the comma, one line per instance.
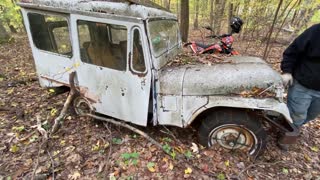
[150, 40]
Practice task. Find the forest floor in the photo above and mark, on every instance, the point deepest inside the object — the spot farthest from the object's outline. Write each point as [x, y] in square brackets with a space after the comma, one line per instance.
[86, 149]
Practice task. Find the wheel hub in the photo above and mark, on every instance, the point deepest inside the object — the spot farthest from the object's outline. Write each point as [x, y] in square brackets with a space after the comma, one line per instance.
[233, 137]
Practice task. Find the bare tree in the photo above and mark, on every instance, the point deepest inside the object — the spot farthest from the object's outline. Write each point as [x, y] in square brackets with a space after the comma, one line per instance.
[271, 29]
[184, 20]
[218, 15]
[4, 35]
[178, 9]
[230, 15]
[211, 13]
[196, 19]
[167, 4]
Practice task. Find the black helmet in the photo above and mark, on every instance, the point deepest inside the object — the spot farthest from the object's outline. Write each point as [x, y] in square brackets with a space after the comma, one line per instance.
[236, 24]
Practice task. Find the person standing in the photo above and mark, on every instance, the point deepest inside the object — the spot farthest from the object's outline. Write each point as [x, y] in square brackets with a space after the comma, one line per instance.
[301, 72]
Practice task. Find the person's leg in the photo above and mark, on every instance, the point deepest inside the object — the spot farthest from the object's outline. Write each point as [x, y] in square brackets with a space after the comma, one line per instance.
[314, 109]
[299, 101]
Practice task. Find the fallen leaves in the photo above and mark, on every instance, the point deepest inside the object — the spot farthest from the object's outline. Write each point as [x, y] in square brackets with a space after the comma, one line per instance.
[194, 148]
[190, 58]
[53, 111]
[151, 166]
[314, 149]
[188, 171]
[285, 171]
[221, 176]
[257, 93]
[75, 175]
[18, 128]
[14, 148]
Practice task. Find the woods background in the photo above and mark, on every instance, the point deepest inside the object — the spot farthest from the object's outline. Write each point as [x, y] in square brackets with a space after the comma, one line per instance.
[294, 16]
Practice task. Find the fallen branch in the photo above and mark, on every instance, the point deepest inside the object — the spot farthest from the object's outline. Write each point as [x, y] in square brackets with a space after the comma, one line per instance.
[26, 137]
[213, 55]
[21, 82]
[110, 148]
[66, 105]
[125, 125]
[153, 141]
[44, 134]
[4, 109]
[52, 164]
[42, 131]
[258, 164]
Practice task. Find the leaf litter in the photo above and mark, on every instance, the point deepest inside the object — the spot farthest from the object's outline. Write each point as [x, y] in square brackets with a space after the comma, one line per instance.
[21, 99]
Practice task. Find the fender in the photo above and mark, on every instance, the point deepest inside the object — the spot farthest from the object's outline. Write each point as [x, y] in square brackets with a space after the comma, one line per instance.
[268, 104]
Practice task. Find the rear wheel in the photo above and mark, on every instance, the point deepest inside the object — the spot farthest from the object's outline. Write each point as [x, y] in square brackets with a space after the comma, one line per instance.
[233, 129]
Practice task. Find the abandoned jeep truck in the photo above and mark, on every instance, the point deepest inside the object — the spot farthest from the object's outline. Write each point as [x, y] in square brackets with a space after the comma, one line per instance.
[121, 53]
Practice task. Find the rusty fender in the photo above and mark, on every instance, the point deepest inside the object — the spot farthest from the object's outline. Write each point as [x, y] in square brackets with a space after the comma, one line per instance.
[268, 104]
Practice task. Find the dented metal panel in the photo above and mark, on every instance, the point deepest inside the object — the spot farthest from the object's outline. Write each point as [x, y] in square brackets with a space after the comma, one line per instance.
[166, 116]
[120, 94]
[191, 105]
[52, 69]
[268, 104]
[171, 80]
[241, 73]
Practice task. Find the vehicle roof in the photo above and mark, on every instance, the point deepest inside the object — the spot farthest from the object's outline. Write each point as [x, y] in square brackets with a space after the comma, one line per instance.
[142, 9]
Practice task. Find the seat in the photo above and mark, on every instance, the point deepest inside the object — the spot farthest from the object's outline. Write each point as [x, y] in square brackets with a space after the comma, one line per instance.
[100, 54]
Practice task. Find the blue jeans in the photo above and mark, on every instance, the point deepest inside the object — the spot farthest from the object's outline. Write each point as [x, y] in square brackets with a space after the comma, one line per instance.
[303, 104]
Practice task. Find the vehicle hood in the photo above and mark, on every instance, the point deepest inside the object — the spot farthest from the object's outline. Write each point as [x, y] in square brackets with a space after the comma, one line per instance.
[234, 76]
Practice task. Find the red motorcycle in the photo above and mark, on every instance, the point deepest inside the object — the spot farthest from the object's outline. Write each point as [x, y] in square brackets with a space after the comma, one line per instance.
[225, 44]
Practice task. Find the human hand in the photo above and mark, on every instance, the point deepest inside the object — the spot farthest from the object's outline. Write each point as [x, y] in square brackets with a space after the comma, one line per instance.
[287, 79]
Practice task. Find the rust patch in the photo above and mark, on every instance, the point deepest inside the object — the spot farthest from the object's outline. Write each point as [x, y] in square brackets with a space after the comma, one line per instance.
[86, 93]
[55, 81]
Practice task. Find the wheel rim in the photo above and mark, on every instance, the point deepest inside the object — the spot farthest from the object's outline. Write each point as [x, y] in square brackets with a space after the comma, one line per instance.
[234, 137]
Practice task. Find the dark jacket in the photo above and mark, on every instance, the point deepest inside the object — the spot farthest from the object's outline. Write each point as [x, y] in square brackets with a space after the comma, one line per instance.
[302, 58]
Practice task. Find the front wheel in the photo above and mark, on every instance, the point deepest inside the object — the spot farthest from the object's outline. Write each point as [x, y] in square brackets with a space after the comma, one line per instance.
[234, 130]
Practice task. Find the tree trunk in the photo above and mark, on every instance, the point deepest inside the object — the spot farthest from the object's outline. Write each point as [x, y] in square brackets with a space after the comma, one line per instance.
[4, 35]
[295, 13]
[184, 20]
[177, 9]
[211, 14]
[12, 28]
[221, 14]
[230, 14]
[196, 19]
[167, 4]
[271, 29]
[218, 14]
[304, 22]
[281, 26]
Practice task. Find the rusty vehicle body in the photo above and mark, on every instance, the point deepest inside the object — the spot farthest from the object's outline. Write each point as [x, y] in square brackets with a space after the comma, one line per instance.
[143, 85]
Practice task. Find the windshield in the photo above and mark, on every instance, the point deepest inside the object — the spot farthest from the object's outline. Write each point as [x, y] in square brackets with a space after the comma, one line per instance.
[164, 35]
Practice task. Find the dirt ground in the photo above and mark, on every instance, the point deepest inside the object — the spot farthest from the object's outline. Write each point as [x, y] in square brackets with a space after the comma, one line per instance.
[88, 149]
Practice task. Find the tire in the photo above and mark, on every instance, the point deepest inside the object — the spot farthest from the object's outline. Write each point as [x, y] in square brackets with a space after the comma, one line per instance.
[233, 129]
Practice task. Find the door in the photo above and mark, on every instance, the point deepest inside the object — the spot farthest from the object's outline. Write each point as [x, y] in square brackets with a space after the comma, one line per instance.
[113, 73]
[50, 42]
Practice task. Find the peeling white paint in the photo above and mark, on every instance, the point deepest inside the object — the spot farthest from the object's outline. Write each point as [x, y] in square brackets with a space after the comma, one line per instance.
[115, 8]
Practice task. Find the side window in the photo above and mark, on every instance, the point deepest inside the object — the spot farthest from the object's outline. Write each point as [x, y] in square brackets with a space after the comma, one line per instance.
[118, 34]
[138, 63]
[84, 41]
[97, 46]
[50, 33]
